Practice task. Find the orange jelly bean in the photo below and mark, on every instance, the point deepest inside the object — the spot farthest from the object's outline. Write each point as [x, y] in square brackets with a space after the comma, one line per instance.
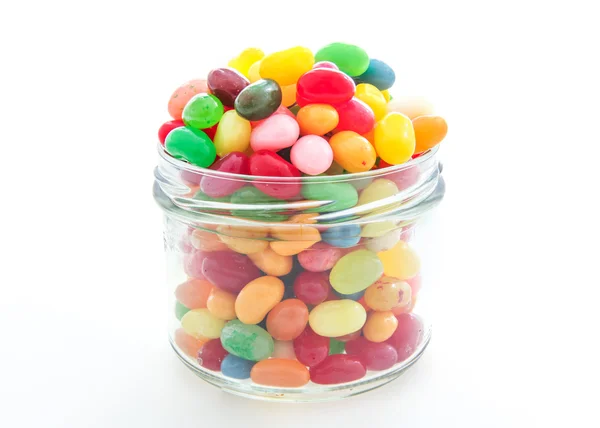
[280, 372]
[272, 263]
[317, 119]
[293, 240]
[353, 151]
[429, 132]
[221, 304]
[193, 294]
[288, 95]
[257, 298]
[380, 326]
[188, 344]
[287, 320]
[244, 239]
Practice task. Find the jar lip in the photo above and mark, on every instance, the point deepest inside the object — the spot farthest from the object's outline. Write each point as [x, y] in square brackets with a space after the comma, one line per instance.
[181, 165]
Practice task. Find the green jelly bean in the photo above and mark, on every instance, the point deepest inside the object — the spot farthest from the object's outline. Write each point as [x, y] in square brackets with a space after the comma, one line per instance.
[258, 100]
[191, 145]
[247, 341]
[351, 59]
[336, 347]
[180, 310]
[356, 272]
[250, 195]
[203, 111]
[201, 196]
[343, 195]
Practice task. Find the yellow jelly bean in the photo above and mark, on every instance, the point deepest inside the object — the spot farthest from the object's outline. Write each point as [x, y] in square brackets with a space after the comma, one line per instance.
[378, 189]
[375, 230]
[293, 240]
[221, 304]
[317, 119]
[288, 95]
[388, 293]
[272, 263]
[400, 262]
[380, 326]
[372, 97]
[257, 298]
[244, 239]
[201, 323]
[244, 60]
[395, 138]
[253, 72]
[337, 318]
[233, 134]
[308, 218]
[286, 67]
[386, 95]
[353, 151]
[410, 106]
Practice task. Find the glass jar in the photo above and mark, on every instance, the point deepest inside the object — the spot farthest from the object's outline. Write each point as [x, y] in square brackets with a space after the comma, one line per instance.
[299, 289]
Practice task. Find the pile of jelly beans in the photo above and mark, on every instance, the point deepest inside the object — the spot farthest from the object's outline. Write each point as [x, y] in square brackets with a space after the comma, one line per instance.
[294, 113]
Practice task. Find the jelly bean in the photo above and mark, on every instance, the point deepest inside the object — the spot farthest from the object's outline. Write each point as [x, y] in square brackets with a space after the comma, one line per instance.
[338, 369]
[378, 74]
[293, 240]
[379, 228]
[257, 298]
[351, 59]
[275, 133]
[284, 350]
[285, 67]
[310, 348]
[407, 336]
[337, 318]
[395, 138]
[325, 64]
[188, 344]
[355, 272]
[323, 85]
[355, 116]
[320, 257]
[246, 59]
[218, 187]
[312, 287]
[336, 346]
[244, 239]
[341, 195]
[204, 241]
[346, 236]
[370, 136]
[267, 163]
[388, 293]
[317, 119]
[404, 178]
[353, 151]
[312, 155]
[305, 218]
[180, 310]
[191, 145]
[281, 373]
[384, 242]
[372, 97]
[288, 95]
[387, 95]
[251, 195]
[193, 293]
[233, 134]
[254, 72]
[202, 111]
[377, 190]
[259, 100]
[375, 356]
[249, 342]
[200, 323]
[410, 106]
[167, 127]
[236, 367]
[183, 94]
[380, 326]
[287, 320]
[429, 132]
[229, 271]
[211, 355]
[400, 262]
[226, 83]
[192, 264]
[272, 263]
[221, 304]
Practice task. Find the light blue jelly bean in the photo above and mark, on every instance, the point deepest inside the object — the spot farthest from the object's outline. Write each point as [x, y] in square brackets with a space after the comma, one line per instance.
[236, 367]
[378, 74]
[342, 236]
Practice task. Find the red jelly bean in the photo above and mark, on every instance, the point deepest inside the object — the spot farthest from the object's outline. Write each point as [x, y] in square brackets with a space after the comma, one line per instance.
[280, 110]
[338, 368]
[228, 270]
[375, 356]
[270, 164]
[312, 287]
[192, 264]
[211, 131]
[325, 64]
[167, 127]
[320, 257]
[355, 116]
[404, 178]
[324, 85]
[217, 187]
[407, 336]
[311, 349]
[211, 355]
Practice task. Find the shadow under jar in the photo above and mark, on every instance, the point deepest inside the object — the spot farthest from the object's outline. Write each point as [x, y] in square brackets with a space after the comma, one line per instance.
[300, 289]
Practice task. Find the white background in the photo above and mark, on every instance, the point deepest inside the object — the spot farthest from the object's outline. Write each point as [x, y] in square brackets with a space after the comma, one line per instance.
[84, 87]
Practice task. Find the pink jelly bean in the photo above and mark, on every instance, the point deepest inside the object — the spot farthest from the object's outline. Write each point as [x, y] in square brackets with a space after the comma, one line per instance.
[183, 94]
[320, 257]
[312, 155]
[407, 336]
[312, 287]
[269, 164]
[185, 243]
[324, 85]
[338, 368]
[415, 284]
[275, 133]
[311, 349]
[229, 271]
[375, 356]
[192, 264]
[355, 116]
[167, 127]
[325, 64]
[404, 178]
[218, 187]
[280, 110]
